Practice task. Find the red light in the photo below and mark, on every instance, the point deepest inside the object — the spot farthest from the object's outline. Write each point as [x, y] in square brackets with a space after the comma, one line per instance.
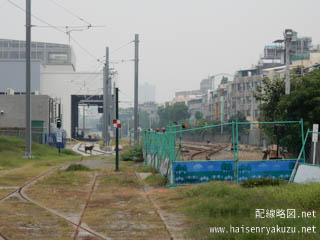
[184, 126]
[157, 129]
[163, 129]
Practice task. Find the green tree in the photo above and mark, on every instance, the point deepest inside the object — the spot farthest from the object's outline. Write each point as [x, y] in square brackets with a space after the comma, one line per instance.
[240, 117]
[198, 115]
[269, 94]
[144, 119]
[302, 102]
[175, 113]
[224, 80]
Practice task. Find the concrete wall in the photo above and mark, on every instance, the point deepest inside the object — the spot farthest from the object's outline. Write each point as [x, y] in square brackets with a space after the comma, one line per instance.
[13, 75]
[14, 107]
[63, 82]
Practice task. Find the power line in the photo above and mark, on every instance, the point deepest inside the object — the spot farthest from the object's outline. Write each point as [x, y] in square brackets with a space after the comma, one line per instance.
[83, 27]
[57, 29]
[70, 12]
[119, 48]
[39, 19]
[84, 49]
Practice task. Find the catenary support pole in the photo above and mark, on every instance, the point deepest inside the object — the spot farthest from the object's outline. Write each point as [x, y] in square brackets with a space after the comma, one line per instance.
[288, 37]
[117, 129]
[136, 82]
[106, 108]
[28, 153]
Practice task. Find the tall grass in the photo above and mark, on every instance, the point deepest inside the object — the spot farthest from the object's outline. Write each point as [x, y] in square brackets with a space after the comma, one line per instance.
[224, 204]
[12, 150]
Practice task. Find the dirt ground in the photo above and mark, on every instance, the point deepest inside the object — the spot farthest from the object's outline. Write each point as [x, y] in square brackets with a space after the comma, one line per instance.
[246, 152]
[87, 205]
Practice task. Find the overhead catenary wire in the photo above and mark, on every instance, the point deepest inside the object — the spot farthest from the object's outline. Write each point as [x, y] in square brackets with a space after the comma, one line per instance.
[122, 46]
[70, 12]
[57, 29]
[121, 92]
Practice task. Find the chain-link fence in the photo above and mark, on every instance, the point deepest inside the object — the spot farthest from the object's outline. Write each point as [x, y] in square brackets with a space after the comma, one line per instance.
[232, 151]
[214, 142]
[309, 153]
[269, 140]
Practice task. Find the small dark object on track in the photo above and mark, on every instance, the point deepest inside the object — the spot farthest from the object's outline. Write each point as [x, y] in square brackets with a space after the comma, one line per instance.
[88, 148]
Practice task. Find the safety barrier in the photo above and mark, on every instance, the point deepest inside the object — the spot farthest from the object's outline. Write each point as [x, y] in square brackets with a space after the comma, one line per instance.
[309, 153]
[233, 151]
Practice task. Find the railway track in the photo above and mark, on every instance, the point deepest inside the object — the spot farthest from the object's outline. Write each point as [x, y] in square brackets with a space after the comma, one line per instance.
[2, 237]
[221, 148]
[198, 149]
[85, 207]
[22, 195]
[99, 152]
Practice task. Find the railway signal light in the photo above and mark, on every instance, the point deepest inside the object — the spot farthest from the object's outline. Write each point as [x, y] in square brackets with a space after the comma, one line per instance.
[59, 123]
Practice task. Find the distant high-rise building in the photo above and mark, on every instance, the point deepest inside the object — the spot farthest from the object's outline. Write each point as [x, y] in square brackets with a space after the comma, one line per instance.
[274, 54]
[207, 84]
[147, 93]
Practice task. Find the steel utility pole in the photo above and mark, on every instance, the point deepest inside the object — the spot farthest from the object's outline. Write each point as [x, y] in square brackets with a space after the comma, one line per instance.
[106, 103]
[288, 34]
[117, 128]
[84, 120]
[136, 84]
[28, 153]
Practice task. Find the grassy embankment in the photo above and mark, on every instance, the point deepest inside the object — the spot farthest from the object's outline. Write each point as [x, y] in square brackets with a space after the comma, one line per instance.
[15, 170]
[12, 150]
[224, 204]
[219, 204]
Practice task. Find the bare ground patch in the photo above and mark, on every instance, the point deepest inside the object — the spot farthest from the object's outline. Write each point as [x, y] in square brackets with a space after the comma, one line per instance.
[22, 220]
[62, 191]
[119, 210]
[21, 176]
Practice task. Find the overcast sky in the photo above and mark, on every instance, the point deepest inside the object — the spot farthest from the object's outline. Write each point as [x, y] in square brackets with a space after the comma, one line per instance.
[182, 41]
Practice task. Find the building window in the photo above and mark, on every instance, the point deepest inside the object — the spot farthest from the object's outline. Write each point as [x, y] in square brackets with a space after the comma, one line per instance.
[14, 55]
[14, 44]
[22, 55]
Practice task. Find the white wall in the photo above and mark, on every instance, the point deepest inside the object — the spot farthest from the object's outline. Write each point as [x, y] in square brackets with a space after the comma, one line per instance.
[64, 82]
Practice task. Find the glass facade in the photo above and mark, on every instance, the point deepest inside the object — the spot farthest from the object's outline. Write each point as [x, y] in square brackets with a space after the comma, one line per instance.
[47, 53]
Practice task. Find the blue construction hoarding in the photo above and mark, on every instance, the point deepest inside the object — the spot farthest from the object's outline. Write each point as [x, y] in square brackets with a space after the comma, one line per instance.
[205, 171]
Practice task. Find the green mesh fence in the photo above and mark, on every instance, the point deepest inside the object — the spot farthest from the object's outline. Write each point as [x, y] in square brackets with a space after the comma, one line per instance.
[309, 152]
[232, 143]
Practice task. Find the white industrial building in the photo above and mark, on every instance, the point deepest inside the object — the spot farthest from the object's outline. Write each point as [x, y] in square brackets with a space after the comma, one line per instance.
[53, 73]
[62, 82]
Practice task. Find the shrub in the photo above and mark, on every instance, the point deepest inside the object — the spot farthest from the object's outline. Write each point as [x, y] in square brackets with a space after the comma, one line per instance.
[134, 154]
[156, 180]
[68, 152]
[77, 167]
[260, 182]
[147, 169]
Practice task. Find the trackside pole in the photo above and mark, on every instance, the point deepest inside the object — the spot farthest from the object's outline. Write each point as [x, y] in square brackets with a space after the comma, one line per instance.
[117, 129]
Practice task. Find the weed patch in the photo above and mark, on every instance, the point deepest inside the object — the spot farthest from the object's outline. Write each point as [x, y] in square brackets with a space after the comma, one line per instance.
[156, 180]
[133, 154]
[77, 167]
[147, 169]
[221, 204]
[260, 182]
